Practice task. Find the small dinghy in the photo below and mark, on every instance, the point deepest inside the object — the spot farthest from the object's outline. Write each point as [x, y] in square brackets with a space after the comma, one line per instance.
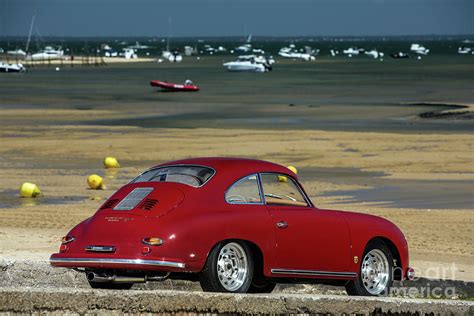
[169, 86]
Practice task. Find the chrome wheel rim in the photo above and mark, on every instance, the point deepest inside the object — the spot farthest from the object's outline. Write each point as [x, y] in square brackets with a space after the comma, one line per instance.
[375, 271]
[232, 266]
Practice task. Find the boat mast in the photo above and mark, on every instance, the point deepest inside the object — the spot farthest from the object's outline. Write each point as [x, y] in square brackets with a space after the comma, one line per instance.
[29, 34]
[169, 35]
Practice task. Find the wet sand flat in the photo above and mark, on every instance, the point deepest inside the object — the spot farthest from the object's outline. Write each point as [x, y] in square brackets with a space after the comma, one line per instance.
[60, 158]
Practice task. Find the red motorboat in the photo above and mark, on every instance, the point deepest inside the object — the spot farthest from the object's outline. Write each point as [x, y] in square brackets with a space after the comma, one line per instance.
[187, 86]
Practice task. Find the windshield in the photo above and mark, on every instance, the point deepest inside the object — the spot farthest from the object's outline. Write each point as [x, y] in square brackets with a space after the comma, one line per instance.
[194, 176]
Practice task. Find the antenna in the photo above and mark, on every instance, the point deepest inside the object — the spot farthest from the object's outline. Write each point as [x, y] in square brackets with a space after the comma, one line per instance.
[29, 34]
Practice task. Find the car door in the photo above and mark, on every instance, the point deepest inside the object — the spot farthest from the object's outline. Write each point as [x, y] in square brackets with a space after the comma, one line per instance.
[309, 241]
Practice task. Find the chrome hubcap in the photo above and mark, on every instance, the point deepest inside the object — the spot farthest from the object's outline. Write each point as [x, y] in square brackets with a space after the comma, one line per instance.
[232, 266]
[375, 271]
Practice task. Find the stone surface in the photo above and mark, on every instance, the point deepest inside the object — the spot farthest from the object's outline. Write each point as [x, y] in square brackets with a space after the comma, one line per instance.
[36, 287]
[81, 301]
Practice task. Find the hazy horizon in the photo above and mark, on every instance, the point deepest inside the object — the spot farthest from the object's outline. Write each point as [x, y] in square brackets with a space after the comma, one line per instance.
[225, 18]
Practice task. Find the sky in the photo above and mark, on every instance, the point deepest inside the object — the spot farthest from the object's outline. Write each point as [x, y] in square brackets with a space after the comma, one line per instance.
[237, 17]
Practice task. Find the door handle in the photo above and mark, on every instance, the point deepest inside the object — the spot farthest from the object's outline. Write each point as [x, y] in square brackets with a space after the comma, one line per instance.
[282, 224]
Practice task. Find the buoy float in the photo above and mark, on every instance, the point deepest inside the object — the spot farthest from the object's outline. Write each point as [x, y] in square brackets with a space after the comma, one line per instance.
[28, 189]
[293, 169]
[111, 162]
[283, 179]
[95, 182]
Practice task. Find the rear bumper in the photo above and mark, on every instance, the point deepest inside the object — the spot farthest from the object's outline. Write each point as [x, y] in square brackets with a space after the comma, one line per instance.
[116, 263]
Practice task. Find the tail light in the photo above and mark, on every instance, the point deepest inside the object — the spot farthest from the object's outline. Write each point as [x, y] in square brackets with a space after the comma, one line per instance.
[67, 239]
[152, 241]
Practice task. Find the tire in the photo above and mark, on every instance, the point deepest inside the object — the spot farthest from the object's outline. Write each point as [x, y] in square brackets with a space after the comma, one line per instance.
[229, 268]
[375, 275]
[267, 287]
[110, 285]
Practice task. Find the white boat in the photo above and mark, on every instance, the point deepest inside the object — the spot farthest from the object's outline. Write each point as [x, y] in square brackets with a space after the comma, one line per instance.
[248, 65]
[129, 53]
[351, 51]
[243, 48]
[4, 67]
[419, 49]
[48, 53]
[293, 53]
[110, 53]
[465, 50]
[17, 53]
[374, 53]
[172, 57]
[258, 59]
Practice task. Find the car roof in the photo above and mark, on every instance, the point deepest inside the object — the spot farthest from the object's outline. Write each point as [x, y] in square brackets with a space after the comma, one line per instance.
[233, 168]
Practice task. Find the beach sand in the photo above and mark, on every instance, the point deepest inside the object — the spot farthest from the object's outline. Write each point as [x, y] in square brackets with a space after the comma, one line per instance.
[59, 158]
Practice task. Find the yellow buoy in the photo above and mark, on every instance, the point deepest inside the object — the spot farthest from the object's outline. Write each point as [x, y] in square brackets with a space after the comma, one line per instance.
[282, 179]
[28, 189]
[111, 162]
[293, 169]
[95, 182]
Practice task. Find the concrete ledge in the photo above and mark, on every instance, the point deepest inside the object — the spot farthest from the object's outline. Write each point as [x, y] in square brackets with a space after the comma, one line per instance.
[81, 301]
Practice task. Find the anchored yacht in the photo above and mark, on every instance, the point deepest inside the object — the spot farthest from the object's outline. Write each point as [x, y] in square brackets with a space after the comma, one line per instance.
[48, 53]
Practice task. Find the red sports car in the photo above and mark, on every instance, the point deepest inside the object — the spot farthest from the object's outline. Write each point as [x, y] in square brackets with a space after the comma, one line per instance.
[236, 225]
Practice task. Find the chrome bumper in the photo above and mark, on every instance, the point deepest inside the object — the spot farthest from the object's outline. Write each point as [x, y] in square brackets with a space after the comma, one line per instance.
[138, 262]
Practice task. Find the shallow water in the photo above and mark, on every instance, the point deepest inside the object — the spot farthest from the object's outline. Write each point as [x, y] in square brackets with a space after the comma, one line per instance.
[12, 199]
[357, 94]
[400, 193]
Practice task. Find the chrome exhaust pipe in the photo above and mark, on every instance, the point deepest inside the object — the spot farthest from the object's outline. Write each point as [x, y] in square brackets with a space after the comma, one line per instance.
[94, 277]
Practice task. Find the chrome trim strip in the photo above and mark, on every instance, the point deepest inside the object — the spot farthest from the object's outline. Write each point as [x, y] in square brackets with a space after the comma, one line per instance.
[120, 261]
[315, 273]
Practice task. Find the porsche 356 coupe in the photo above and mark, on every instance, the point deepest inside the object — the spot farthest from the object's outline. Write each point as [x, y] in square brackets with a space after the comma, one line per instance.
[234, 225]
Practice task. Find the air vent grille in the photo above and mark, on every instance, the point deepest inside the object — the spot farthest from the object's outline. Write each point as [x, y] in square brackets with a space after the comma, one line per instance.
[109, 204]
[132, 199]
[148, 204]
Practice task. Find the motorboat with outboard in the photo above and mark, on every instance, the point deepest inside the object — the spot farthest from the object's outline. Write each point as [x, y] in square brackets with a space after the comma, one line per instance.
[188, 86]
[5, 67]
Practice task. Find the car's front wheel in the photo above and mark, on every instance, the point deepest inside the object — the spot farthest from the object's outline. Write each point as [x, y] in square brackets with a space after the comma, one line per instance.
[229, 268]
[375, 275]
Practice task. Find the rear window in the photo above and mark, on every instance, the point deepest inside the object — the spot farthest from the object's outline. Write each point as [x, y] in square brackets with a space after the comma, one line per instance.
[195, 176]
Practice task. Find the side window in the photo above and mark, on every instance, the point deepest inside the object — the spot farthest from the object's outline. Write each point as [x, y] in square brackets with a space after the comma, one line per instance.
[244, 191]
[281, 190]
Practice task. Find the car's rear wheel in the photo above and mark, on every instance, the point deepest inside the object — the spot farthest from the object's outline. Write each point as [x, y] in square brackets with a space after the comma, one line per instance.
[110, 285]
[229, 268]
[375, 275]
